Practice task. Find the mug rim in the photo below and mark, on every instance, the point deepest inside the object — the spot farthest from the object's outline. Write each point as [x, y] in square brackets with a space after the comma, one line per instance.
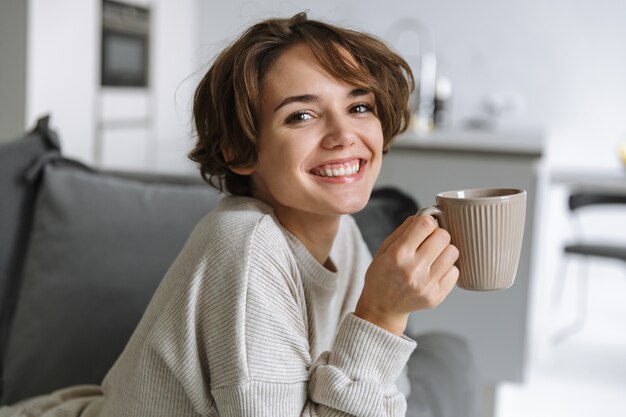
[504, 193]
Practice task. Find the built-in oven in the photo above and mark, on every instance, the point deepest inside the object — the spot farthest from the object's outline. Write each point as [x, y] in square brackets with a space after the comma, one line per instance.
[125, 45]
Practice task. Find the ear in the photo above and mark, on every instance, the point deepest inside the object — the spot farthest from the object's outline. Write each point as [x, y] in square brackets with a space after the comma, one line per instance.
[242, 170]
[228, 156]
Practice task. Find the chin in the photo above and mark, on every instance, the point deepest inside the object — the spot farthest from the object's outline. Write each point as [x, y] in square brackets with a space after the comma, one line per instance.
[352, 206]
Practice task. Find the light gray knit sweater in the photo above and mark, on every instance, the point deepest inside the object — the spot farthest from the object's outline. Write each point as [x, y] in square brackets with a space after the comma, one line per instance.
[247, 323]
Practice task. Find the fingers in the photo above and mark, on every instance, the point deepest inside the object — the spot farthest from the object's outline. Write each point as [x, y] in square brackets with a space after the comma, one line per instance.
[432, 248]
[444, 261]
[419, 241]
[441, 287]
[415, 233]
[448, 281]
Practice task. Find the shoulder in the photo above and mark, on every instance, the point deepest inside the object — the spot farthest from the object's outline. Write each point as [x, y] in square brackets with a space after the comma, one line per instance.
[236, 250]
[240, 234]
[235, 214]
[238, 222]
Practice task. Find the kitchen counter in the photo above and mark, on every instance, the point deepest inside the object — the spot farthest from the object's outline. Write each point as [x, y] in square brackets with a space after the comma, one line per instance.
[527, 142]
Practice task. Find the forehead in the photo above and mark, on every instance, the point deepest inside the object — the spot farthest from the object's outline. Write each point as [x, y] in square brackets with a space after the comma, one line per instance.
[293, 62]
[298, 69]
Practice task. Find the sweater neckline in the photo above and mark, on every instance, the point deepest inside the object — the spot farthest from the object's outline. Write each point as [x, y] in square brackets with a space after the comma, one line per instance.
[318, 272]
[315, 270]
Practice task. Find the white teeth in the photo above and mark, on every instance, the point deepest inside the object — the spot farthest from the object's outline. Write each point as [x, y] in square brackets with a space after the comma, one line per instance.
[340, 172]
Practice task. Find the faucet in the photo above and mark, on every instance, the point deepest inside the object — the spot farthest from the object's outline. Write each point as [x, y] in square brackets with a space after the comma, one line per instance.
[425, 71]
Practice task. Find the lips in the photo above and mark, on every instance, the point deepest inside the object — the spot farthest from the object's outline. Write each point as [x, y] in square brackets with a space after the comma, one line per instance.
[338, 169]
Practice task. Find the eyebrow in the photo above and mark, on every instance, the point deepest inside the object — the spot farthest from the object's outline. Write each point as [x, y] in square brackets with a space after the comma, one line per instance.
[308, 98]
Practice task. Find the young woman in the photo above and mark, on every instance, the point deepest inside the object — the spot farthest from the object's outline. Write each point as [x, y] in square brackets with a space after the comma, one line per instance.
[275, 306]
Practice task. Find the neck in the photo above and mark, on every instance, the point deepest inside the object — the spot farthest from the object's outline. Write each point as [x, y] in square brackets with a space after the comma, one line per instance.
[316, 232]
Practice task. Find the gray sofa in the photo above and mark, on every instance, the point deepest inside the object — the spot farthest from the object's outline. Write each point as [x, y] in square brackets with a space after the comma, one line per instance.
[81, 252]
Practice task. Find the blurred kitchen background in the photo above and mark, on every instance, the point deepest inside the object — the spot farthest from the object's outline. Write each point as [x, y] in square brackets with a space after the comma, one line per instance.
[540, 80]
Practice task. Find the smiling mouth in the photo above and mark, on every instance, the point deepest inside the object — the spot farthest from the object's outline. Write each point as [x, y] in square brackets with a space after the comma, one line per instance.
[344, 169]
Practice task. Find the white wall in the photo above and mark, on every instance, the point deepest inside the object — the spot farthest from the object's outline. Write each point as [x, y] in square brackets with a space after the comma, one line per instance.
[175, 65]
[62, 70]
[13, 17]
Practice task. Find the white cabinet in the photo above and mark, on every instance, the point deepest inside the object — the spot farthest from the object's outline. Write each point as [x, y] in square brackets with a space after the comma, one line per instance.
[112, 128]
[148, 129]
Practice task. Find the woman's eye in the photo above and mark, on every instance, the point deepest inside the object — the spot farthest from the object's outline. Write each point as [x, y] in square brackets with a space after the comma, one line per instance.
[298, 117]
[361, 108]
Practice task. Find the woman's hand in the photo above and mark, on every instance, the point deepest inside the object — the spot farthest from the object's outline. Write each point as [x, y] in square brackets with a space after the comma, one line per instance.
[412, 270]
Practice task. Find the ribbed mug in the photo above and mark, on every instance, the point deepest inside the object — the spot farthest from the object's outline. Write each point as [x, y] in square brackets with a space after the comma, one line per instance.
[487, 226]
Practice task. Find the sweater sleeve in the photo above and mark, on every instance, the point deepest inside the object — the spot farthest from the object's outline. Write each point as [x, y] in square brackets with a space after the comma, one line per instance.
[265, 369]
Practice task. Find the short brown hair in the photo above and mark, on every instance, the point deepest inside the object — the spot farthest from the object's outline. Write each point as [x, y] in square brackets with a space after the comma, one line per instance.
[226, 102]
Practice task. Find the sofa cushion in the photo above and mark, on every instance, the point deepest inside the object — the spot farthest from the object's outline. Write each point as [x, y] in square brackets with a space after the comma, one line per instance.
[99, 247]
[16, 207]
[443, 377]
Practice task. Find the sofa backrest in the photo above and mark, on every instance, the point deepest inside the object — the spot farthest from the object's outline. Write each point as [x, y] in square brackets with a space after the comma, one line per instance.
[99, 246]
[17, 196]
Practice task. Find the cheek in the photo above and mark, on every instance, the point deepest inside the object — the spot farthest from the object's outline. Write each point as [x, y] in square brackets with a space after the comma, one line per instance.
[376, 142]
[282, 165]
[375, 133]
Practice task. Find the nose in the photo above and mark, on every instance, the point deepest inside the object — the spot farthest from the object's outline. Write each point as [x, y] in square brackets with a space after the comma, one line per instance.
[339, 132]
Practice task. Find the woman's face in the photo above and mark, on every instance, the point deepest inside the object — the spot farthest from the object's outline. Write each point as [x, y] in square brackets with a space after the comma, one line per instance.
[320, 141]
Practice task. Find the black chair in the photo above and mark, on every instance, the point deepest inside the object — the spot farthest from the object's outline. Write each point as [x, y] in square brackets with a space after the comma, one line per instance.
[386, 210]
[586, 249]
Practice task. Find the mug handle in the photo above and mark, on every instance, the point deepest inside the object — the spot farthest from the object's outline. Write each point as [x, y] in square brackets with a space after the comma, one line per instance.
[434, 211]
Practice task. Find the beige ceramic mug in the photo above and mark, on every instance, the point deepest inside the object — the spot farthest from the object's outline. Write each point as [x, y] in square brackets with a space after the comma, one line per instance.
[487, 226]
